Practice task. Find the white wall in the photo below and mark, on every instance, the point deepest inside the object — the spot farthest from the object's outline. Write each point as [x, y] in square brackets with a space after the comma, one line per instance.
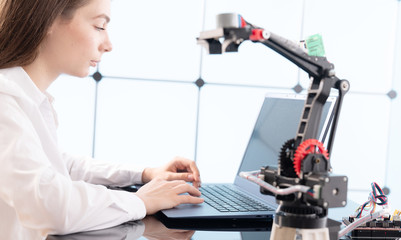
[149, 109]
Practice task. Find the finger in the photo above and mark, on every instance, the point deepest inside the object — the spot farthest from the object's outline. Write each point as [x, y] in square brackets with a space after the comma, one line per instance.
[196, 184]
[186, 188]
[195, 171]
[175, 183]
[188, 177]
[190, 199]
[181, 165]
[188, 165]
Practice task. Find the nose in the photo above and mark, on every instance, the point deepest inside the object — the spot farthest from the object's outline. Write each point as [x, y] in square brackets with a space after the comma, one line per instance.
[106, 46]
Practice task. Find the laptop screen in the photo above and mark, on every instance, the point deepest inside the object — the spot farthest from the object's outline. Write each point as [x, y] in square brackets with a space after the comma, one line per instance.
[278, 122]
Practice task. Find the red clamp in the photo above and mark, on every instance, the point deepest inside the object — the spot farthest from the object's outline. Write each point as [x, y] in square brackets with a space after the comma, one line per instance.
[257, 34]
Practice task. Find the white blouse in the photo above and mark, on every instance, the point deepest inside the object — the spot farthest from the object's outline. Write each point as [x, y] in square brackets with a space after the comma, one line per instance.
[42, 190]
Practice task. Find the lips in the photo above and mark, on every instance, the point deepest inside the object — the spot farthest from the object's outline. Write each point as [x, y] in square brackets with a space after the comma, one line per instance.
[93, 63]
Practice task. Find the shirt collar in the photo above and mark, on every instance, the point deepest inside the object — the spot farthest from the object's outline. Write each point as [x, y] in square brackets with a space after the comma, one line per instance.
[22, 79]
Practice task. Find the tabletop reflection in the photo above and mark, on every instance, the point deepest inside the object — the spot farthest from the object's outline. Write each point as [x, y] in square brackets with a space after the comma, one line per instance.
[148, 228]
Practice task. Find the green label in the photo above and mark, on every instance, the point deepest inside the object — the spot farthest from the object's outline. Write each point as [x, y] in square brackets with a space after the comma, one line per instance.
[315, 47]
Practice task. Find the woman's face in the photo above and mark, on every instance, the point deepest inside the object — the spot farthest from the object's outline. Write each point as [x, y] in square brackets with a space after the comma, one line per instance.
[72, 46]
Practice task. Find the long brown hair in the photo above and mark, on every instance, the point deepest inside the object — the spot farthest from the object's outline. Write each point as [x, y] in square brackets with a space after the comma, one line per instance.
[24, 25]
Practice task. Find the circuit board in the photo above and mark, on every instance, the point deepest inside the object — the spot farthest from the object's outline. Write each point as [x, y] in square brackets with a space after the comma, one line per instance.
[378, 229]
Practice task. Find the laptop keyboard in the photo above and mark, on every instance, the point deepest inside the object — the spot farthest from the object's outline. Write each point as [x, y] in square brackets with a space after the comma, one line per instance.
[225, 198]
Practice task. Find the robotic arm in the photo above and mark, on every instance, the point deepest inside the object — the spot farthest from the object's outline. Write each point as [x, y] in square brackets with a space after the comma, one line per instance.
[303, 160]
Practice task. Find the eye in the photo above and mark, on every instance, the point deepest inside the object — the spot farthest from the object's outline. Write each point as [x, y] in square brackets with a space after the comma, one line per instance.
[99, 28]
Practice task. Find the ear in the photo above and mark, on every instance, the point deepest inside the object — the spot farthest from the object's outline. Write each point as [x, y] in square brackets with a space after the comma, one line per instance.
[50, 30]
[53, 26]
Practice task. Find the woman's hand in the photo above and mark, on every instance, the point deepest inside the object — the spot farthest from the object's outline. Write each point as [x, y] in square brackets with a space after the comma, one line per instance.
[160, 194]
[177, 169]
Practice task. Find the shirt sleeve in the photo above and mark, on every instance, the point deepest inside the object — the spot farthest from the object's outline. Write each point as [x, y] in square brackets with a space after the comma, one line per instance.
[98, 172]
[43, 198]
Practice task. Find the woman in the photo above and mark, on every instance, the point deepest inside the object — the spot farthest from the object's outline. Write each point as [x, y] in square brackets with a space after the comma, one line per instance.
[44, 191]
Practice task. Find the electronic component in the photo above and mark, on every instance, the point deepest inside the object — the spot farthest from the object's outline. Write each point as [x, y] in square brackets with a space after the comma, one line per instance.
[377, 224]
[377, 229]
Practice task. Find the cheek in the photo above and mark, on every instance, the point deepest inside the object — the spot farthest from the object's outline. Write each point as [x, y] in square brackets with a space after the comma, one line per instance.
[82, 38]
[83, 41]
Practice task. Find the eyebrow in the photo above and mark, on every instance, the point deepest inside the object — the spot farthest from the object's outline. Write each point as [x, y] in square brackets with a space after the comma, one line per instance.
[103, 16]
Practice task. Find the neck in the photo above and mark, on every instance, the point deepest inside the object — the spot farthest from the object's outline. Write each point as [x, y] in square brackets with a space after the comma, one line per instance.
[40, 74]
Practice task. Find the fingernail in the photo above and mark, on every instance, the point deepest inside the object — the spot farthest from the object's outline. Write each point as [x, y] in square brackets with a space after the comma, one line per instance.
[190, 177]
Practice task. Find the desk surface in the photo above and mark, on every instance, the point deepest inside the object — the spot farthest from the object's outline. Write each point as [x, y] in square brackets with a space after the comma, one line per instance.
[152, 228]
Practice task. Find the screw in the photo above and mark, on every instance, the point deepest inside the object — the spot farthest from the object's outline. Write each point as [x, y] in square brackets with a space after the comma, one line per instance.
[266, 34]
[344, 86]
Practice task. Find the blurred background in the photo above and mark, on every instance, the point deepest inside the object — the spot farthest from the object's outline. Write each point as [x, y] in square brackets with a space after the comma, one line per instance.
[147, 108]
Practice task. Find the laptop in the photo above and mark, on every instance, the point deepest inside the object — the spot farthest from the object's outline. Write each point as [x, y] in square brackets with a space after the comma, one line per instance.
[277, 122]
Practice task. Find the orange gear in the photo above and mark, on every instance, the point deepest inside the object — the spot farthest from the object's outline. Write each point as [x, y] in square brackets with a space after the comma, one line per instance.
[306, 147]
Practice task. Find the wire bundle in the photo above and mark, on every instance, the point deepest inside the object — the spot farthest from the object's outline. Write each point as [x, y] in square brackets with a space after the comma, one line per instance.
[376, 198]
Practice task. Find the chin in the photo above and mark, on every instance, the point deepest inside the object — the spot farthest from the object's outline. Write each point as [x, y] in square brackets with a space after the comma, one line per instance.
[81, 74]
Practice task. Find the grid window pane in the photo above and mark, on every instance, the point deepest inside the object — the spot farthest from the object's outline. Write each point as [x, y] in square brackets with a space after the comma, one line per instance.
[150, 41]
[359, 39]
[255, 64]
[146, 123]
